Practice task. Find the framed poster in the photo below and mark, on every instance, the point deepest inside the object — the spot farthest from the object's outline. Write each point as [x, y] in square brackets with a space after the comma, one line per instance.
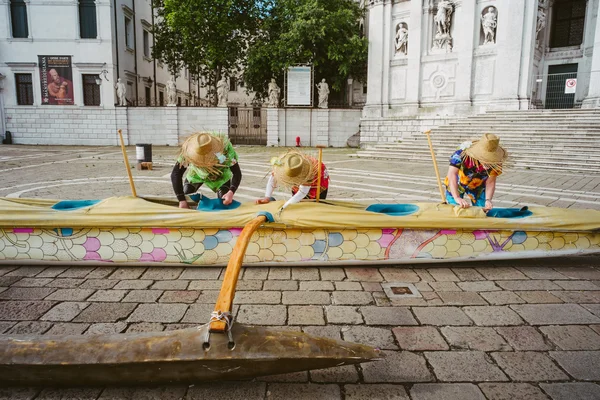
[56, 78]
[299, 86]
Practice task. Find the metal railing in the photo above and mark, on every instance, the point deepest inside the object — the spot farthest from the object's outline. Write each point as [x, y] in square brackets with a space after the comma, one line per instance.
[561, 90]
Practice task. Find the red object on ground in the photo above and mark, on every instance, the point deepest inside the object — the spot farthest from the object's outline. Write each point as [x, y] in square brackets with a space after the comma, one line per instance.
[298, 141]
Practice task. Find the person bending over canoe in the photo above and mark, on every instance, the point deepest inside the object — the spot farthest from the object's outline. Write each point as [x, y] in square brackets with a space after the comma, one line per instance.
[206, 158]
[298, 172]
[471, 179]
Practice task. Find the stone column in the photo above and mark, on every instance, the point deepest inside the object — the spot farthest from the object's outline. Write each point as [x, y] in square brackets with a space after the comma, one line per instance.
[592, 100]
[386, 55]
[273, 127]
[122, 122]
[466, 31]
[377, 55]
[415, 49]
[172, 133]
[528, 54]
[322, 127]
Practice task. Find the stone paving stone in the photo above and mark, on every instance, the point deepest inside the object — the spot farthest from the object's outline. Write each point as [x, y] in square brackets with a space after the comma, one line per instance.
[66, 283]
[581, 365]
[64, 312]
[18, 393]
[262, 315]
[441, 316]
[203, 285]
[387, 316]
[512, 391]
[423, 287]
[280, 273]
[539, 297]
[596, 328]
[25, 271]
[292, 377]
[343, 315]
[9, 280]
[249, 285]
[317, 285]
[105, 312]
[4, 326]
[204, 273]
[468, 274]
[176, 284]
[577, 285]
[493, 316]
[76, 272]
[578, 297]
[227, 390]
[280, 285]
[424, 275]
[363, 274]
[524, 338]
[33, 282]
[142, 296]
[306, 298]
[443, 275]
[348, 286]
[127, 273]
[419, 338]
[305, 274]
[162, 273]
[529, 366]
[446, 391]
[531, 284]
[370, 286]
[179, 296]
[15, 293]
[444, 287]
[155, 393]
[580, 272]
[286, 391]
[100, 272]
[327, 331]
[70, 394]
[555, 314]
[305, 315]
[397, 366]
[470, 338]
[198, 313]
[5, 269]
[345, 373]
[374, 392]
[382, 300]
[478, 286]
[137, 284]
[352, 298]
[30, 328]
[257, 297]
[572, 391]
[474, 366]
[98, 284]
[332, 274]
[574, 337]
[108, 295]
[594, 308]
[104, 328]
[541, 273]
[461, 298]
[23, 310]
[500, 273]
[502, 298]
[256, 273]
[371, 336]
[67, 328]
[208, 296]
[165, 313]
[399, 275]
[2, 289]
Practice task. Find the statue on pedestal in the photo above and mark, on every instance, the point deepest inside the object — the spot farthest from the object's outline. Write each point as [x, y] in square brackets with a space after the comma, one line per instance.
[402, 38]
[171, 93]
[222, 92]
[121, 93]
[274, 92]
[323, 88]
[489, 22]
[443, 23]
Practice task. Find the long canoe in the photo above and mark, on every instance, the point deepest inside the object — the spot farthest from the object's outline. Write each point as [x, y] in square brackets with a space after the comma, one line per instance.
[133, 231]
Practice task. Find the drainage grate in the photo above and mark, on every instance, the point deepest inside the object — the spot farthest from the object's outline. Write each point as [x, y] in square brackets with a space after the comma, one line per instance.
[400, 290]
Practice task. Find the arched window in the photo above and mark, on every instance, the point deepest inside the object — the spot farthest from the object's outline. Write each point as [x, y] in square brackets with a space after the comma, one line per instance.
[18, 17]
[568, 17]
[87, 19]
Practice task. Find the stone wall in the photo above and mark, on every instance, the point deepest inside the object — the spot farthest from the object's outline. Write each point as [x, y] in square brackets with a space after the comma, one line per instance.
[376, 130]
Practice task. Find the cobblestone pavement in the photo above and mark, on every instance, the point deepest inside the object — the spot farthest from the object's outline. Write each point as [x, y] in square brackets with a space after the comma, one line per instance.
[513, 330]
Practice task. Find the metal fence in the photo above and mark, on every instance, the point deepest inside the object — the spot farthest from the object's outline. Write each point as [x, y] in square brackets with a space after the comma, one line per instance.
[560, 90]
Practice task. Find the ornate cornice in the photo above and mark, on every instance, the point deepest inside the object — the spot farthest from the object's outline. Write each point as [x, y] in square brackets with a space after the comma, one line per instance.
[373, 3]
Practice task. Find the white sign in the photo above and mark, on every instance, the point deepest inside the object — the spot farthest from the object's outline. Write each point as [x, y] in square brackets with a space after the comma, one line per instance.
[570, 85]
[299, 86]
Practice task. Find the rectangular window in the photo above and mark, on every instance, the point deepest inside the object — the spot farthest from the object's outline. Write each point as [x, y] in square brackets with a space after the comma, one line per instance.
[161, 98]
[130, 92]
[128, 33]
[179, 101]
[18, 17]
[568, 23]
[187, 102]
[148, 97]
[91, 91]
[87, 19]
[24, 84]
[232, 84]
[146, 44]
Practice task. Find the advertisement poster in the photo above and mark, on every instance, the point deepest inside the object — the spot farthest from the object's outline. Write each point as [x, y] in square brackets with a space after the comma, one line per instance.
[299, 86]
[56, 77]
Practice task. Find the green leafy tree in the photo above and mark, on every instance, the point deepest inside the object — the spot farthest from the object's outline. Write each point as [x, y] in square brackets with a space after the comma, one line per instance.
[324, 33]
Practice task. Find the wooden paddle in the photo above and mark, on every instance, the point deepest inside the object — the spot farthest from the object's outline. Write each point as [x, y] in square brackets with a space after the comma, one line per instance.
[435, 166]
[127, 164]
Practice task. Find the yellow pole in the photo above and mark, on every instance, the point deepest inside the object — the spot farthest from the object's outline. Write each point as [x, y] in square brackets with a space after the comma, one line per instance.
[435, 166]
[319, 172]
[127, 164]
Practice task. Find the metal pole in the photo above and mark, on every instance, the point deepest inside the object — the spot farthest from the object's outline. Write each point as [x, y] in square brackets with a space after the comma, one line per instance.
[127, 165]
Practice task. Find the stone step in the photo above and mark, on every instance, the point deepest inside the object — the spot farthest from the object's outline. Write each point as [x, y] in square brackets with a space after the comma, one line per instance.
[552, 148]
[516, 155]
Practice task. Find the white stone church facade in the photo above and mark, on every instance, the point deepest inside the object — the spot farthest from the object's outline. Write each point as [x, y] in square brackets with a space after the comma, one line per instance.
[430, 60]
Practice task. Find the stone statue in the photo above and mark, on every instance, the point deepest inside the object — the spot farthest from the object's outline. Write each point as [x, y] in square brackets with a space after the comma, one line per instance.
[222, 92]
[171, 93]
[541, 23]
[274, 92]
[402, 38]
[121, 93]
[323, 88]
[489, 22]
[443, 23]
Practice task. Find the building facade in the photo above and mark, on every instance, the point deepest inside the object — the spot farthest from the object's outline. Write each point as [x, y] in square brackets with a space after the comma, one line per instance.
[434, 59]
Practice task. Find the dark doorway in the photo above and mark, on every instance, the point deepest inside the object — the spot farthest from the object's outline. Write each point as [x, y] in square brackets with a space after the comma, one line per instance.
[248, 126]
[556, 86]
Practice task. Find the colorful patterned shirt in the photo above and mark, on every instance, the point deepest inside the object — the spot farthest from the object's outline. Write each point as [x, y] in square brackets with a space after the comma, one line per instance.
[471, 177]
